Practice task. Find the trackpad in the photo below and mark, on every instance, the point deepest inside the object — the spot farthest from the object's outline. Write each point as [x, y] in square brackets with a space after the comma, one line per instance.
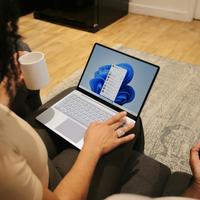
[71, 130]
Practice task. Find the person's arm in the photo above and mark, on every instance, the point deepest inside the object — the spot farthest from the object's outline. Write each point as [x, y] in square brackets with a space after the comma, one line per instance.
[76, 183]
[194, 190]
[100, 139]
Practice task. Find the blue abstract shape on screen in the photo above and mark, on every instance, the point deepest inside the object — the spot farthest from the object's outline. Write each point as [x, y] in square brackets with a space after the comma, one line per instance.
[126, 93]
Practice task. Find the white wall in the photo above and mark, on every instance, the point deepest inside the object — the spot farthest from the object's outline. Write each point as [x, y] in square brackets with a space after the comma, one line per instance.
[197, 10]
[172, 9]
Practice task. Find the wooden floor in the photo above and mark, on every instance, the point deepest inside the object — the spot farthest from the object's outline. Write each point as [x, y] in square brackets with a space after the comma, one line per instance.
[67, 49]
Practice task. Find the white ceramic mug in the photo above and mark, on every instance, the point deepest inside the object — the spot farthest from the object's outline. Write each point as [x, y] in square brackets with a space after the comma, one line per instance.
[34, 69]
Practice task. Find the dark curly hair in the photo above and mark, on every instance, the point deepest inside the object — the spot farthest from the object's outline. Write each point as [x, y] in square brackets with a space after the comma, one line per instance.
[9, 15]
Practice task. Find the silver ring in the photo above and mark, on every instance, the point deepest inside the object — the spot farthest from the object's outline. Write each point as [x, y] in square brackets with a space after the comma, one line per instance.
[120, 132]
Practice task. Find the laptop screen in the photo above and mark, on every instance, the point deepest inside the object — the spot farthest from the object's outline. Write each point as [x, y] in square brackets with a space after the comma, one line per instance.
[119, 79]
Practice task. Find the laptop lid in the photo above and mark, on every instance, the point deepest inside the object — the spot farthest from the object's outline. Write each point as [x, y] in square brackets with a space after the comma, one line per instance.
[118, 80]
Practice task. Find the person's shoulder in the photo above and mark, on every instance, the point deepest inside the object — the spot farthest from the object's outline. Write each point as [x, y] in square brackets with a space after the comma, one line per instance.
[9, 161]
[3, 110]
[10, 156]
[6, 115]
[14, 129]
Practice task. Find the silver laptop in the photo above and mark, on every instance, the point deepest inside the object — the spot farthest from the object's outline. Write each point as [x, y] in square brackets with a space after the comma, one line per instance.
[111, 82]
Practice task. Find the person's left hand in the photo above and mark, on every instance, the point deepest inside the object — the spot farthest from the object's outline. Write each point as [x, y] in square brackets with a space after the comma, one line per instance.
[195, 162]
[16, 56]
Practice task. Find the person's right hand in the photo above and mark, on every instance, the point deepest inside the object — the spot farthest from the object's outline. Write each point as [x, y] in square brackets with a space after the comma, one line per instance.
[195, 162]
[102, 137]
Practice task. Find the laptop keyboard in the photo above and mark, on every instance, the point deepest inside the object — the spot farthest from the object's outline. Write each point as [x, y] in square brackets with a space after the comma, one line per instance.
[81, 110]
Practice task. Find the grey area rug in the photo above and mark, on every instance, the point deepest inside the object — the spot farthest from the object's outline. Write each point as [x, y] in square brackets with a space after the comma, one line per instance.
[171, 115]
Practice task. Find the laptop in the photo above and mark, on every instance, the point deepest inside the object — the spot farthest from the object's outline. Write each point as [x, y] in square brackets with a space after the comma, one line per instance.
[111, 82]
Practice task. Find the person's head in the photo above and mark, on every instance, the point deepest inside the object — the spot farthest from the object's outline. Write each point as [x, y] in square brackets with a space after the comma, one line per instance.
[8, 37]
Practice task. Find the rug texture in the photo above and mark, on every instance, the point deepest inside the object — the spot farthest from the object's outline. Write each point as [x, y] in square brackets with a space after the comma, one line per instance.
[171, 115]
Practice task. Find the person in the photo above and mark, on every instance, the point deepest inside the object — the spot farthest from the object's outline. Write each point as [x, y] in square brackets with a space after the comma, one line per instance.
[194, 189]
[23, 156]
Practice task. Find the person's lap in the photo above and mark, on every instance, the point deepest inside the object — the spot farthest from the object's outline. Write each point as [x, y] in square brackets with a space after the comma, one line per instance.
[62, 155]
[109, 171]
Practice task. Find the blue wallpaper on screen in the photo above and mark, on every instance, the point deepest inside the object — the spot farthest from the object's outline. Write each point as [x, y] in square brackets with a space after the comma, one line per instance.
[126, 93]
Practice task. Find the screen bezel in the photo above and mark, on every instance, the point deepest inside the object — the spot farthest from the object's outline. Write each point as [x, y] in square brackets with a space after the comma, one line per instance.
[107, 103]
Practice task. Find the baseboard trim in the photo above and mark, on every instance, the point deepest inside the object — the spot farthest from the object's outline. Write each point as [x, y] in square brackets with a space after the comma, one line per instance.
[160, 12]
